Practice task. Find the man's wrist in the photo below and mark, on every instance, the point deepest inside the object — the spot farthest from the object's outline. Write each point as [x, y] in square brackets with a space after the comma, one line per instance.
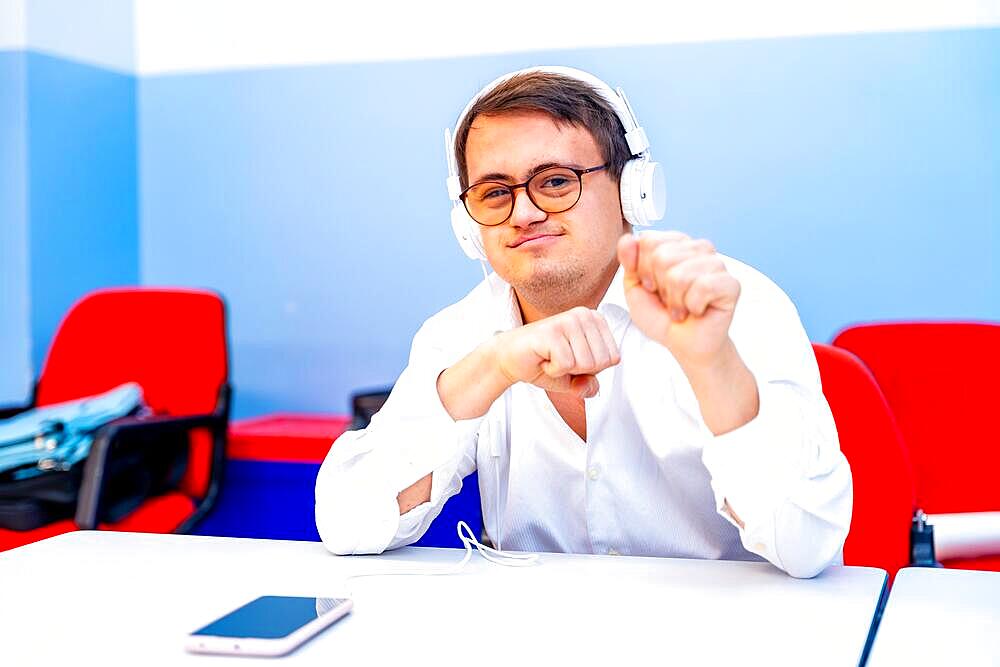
[710, 369]
[496, 379]
[469, 388]
[725, 388]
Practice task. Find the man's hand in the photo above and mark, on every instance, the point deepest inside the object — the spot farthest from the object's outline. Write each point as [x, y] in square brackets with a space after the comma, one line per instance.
[679, 294]
[562, 353]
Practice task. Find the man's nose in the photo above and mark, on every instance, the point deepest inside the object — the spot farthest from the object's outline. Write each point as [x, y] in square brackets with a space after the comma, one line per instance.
[525, 212]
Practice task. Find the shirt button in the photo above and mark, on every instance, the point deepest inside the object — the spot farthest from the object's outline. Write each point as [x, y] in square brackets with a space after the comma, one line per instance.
[593, 474]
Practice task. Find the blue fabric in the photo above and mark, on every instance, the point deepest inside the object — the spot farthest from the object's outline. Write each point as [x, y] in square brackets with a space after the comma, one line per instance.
[276, 500]
[57, 436]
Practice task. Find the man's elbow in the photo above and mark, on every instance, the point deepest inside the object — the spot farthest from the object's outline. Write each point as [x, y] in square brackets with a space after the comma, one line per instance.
[806, 569]
[338, 538]
[810, 552]
[350, 522]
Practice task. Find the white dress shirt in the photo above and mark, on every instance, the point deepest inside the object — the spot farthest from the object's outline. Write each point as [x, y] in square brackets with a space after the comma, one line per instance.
[651, 479]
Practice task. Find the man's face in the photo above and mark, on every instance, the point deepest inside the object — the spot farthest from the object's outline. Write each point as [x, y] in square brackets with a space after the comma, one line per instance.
[533, 250]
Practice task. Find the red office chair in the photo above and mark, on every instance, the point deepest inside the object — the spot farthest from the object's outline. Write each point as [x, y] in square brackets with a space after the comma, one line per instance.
[940, 380]
[171, 342]
[871, 441]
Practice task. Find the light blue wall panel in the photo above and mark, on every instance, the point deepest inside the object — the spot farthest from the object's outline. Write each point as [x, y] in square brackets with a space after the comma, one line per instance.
[860, 172]
[15, 341]
[82, 187]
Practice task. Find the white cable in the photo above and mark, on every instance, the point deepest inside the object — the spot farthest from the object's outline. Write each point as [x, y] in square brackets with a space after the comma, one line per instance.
[469, 540]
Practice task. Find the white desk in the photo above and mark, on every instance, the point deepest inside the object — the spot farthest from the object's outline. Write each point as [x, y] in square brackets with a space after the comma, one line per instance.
[128, 599]
[940, 617]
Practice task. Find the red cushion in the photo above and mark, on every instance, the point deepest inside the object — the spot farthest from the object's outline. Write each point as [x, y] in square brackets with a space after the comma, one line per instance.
[171, 341]
[10, 539]
[870, 439]
[162, 514]
[285, 437]
[199, 472]
[940, 379]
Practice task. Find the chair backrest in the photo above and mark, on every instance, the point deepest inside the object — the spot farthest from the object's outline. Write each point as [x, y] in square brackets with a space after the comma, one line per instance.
[170, 341]
[366, 404]
[941, 381]
[871, 441]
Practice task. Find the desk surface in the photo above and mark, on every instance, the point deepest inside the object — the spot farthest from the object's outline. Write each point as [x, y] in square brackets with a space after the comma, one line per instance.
[940, 616]
[129, 598]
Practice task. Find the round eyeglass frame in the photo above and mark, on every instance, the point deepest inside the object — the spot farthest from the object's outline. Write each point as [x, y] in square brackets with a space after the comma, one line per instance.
[579, 177]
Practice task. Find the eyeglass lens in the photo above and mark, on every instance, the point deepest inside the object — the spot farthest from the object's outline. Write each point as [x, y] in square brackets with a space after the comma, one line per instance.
[552, 190]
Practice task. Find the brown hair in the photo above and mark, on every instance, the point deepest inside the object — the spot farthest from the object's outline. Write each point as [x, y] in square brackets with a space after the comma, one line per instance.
[566, 99]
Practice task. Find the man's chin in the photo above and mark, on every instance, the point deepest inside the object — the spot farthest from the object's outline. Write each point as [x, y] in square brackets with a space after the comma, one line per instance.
[543, 276]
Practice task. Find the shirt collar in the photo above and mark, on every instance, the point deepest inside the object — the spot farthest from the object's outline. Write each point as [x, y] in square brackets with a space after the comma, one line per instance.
[614, 298]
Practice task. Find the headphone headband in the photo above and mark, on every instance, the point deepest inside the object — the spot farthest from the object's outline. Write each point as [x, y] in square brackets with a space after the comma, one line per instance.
[642, 185]
[635, 135]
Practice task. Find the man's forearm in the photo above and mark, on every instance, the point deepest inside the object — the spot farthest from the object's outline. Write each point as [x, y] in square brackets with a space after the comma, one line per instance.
[471, 386]
[726, 391]
[417, 493]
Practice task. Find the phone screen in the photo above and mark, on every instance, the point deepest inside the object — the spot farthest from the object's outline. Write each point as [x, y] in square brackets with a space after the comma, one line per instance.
[269, 617]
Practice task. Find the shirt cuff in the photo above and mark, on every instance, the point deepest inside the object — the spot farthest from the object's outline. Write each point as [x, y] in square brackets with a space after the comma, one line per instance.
[426, 441]
[445, 482]
[367, 470]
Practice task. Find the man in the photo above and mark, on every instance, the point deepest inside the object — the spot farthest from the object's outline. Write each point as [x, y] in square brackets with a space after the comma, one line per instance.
[617, 394]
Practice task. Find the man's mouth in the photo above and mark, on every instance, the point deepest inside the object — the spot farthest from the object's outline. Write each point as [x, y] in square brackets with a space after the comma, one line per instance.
[528, 238]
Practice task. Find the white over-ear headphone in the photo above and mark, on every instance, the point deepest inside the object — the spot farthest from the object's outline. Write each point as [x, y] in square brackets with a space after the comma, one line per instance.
[643, 188]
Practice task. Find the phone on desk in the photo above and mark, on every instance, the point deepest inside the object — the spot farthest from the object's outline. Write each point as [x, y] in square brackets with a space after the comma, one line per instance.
[270, 625]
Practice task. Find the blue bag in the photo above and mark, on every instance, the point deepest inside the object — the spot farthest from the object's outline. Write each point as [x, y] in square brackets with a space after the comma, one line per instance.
[56, 437]
[43, 452]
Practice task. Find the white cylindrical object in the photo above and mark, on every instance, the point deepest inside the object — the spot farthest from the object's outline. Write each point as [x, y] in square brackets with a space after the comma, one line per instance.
[966, 534]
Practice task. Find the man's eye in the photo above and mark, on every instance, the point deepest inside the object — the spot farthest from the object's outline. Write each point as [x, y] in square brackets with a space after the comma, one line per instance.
[555, 182]
[494, 197]
[493, 193]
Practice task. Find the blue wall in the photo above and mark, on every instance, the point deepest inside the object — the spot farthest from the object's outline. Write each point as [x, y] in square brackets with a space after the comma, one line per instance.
[82, 187]
[859, 171]
[15, 342]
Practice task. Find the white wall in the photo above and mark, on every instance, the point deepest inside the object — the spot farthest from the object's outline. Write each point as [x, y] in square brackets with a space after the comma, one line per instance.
[97, 32]
[192, 35]
[12, 31]
[157, 36]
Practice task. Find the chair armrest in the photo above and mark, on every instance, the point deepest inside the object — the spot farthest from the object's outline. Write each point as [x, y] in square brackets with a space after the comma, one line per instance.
[113, 439]
[8, 411]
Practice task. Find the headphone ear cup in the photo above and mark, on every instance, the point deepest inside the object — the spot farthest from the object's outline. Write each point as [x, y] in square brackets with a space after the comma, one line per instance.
[467, 233]
[630, 196]
[654, 189]
[643, 192]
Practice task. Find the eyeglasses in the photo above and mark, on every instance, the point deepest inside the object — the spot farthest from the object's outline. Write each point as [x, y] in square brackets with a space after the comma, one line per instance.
[552, 190]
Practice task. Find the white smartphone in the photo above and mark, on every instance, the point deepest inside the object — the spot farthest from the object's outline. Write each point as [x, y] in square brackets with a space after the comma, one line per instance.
[270, 625]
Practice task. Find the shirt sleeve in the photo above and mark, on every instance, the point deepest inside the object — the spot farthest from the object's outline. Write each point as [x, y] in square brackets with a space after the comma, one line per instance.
[782, 473]
[411, 436]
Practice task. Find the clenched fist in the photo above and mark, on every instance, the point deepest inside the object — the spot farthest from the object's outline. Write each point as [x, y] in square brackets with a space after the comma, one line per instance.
[562, 353]
[679, 294]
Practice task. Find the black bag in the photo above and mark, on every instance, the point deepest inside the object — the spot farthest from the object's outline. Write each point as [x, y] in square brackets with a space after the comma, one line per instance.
[146, 463]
